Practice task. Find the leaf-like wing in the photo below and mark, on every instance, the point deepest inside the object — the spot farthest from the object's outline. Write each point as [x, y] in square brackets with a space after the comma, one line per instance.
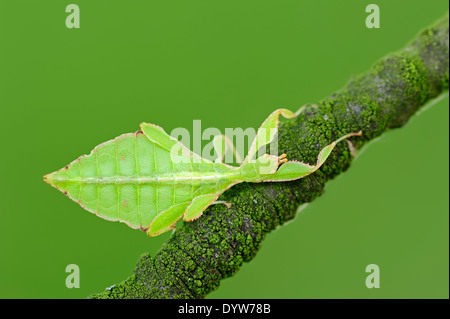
[135, 176]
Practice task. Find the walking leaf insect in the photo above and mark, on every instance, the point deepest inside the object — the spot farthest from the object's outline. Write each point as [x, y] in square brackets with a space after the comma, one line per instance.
[149, 180]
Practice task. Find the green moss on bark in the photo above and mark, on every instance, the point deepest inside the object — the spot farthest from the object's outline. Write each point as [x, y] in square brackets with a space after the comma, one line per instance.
[202, 253]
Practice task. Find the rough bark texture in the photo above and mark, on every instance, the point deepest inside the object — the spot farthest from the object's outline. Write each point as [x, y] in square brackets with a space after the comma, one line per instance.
[202, 253]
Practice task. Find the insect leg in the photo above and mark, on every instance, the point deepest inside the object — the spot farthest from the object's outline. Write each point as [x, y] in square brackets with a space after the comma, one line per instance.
[166, 220]
[293, 170]
[221, 145]
[198, 206]
[267, 132]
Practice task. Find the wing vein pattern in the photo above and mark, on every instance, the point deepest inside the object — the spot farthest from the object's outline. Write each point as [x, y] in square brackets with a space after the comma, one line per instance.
[133, 178]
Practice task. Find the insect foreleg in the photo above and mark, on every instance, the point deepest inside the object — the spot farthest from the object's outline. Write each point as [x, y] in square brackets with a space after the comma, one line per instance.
[223, 203]
[293, 170]
[267, 132]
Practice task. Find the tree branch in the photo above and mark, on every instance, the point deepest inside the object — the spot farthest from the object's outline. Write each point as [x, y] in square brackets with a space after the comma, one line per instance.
[202, 253]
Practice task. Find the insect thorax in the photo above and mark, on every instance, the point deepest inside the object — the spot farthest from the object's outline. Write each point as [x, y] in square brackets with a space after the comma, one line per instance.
[257, 170]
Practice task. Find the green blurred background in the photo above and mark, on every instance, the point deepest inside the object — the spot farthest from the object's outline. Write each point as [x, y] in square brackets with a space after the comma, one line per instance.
[228, 63]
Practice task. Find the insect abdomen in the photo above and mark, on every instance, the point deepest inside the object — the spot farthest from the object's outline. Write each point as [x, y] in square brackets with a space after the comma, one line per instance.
[131, 179]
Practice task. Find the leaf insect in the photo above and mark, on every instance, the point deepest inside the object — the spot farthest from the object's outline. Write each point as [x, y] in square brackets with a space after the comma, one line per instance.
[149, 180]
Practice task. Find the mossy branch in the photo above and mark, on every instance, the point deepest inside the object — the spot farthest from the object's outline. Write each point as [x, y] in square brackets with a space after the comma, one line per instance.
[202, 253]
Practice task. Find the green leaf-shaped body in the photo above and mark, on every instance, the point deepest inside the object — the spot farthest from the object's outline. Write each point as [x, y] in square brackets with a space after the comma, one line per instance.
[149, 180]
[132, 179]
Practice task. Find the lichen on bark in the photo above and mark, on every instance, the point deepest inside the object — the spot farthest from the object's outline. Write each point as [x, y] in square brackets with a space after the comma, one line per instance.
[200, 254]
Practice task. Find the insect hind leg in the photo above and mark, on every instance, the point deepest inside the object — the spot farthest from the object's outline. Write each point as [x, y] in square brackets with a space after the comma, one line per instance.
[198, 205]
[167, 219]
